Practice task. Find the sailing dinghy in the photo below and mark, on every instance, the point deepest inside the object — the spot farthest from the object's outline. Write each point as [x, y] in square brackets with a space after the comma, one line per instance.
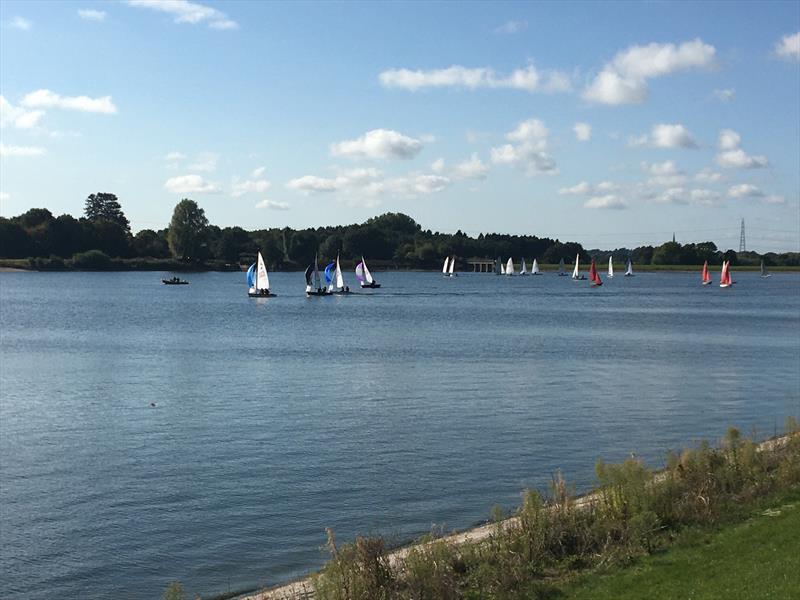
[510, 266]
[629, 269]
[313, 282]
[524, 269]
[451, 269]
[498, 266]
[576, 274]
[258, 280]
[705, 278]
[594, 276]
[610, 266]
[364, 276]
[764, 272]
[535, 268]
[725, 275]
[337, 284]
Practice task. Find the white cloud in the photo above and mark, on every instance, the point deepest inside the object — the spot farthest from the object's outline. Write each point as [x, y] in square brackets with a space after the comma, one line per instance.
[529, 149]
[312, 183]
[174, 156]
[581, 189]
[205, 162]
[416, 184]
[473, 168]
[48, 99]
[378, 144]
[665, 135]
[745, 190]
[725, 95]
[733, 157]
[240, 188]
[191, 184]
[704, 197]
[676, 195]
[188, 12]
[511, 27]
[20, 118]
[665, 174]
[773, 199]
[273, 205]
[788, 47]
[91, 15]
[583, 131]
[528, 79]
[258, 172]
[609, 201]
[437, 166]
[21, 150]
[708, 176]
[20, 23]
[624, 79]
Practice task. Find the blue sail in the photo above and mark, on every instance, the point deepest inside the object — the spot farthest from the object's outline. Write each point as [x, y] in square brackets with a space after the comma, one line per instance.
[328, 275]
[251, 275]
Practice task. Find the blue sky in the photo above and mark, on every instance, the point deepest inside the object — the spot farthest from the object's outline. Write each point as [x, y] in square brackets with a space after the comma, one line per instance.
[608, 124]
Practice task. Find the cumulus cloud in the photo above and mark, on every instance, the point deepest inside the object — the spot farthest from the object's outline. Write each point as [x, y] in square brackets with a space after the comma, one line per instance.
[580, 189]
[665, 174]
[511, 27]
[184, 11]
[17, 117]
[48, 99]
[92, 15]
[205, 162]
[240, 188]
[528, 149]
[190, 184]
[472, 168]
[312, 183]
[609, 201]
[258, 172]
[725, 95]
[438, 165]
[528, 79]
[273, 205]
[704, 197]
[8, 151]
[788, 47]
[664, 135]
[624, 79]
[583, 131]
[708, 176]
[20, 23]
[731, 156]
[745, 190]
[379, 144]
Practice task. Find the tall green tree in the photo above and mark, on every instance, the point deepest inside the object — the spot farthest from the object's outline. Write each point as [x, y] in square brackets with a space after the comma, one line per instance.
[104, 206]
[187, 230]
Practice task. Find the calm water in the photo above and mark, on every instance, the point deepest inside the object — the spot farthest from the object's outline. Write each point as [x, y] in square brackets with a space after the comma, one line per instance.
[427, 401]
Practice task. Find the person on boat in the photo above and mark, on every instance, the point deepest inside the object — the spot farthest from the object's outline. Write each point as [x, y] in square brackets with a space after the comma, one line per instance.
[347, 289]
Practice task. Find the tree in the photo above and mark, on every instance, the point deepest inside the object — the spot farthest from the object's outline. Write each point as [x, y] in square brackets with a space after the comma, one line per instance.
[34, 217]
[232, 242]
[105, 206]
[667, 254]
[14, 240]
[147, 243]
[187, 229]
[303, 246]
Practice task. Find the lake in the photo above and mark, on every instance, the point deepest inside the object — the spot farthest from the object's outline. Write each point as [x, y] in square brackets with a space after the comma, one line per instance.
[425, 402]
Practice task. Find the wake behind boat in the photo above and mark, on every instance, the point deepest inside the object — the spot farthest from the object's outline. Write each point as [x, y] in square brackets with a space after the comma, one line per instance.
[258, 280]
[364, 276]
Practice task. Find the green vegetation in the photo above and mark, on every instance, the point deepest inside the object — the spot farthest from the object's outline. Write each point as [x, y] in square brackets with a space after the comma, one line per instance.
[634, 513]
[391, 240]
[758, 558]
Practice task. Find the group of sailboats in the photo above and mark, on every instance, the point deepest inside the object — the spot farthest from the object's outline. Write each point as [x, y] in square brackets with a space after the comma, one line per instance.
[448, 270]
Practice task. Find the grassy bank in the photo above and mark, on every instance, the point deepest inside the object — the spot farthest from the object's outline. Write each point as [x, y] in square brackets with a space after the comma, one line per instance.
[554, 537]
[756, 558]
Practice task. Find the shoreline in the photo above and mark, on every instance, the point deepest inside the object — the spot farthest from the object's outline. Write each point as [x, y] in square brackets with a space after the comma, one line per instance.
[302, 588]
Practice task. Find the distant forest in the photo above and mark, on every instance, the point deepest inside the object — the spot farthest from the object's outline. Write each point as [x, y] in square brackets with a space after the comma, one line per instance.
[102, 239]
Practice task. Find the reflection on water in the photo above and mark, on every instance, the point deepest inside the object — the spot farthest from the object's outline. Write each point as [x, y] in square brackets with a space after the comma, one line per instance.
[426, 401]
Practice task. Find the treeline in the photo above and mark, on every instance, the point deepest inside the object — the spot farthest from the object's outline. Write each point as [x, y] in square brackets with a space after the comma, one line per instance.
[102, 239]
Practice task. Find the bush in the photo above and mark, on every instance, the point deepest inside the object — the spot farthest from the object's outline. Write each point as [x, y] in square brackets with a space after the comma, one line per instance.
[93, 260]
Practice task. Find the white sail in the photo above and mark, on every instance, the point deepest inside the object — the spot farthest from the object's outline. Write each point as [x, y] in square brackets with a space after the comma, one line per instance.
[535, 267]
[510, 266]
[524, 269]
[338, 275]
[575, 271]
[262, 278]
[502, 269]
[629, 268]
[452, 266]
[444, 268]
[367, 274]
[610, 267]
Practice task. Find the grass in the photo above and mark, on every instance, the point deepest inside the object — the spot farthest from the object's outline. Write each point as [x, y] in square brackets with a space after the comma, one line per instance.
[759, 558]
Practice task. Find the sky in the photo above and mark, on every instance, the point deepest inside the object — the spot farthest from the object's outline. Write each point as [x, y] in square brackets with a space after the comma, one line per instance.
[609, 124]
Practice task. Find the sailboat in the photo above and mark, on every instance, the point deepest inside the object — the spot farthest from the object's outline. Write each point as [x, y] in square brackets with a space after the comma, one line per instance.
[535, 268]
[451, 268]
[764, 272]
[576, 274]
[258, 280]
[445, 268]
[364, 276]
[313, 282]
[510, 266]
[561, 271]
[337, 284]
[629, 269]
[706, 278]
[594, 276]
[725, 275]
[524, 269]
[502, 268]
[610, 266]
[498, 266]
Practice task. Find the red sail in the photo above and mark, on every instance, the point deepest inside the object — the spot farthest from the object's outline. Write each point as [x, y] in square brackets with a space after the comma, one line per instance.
[706, 277]
[593, 276]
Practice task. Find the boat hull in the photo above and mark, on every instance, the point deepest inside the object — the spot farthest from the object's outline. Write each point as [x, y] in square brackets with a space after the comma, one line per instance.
[372, 285]
[322, 293]
[257, 295]
[166, 282]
